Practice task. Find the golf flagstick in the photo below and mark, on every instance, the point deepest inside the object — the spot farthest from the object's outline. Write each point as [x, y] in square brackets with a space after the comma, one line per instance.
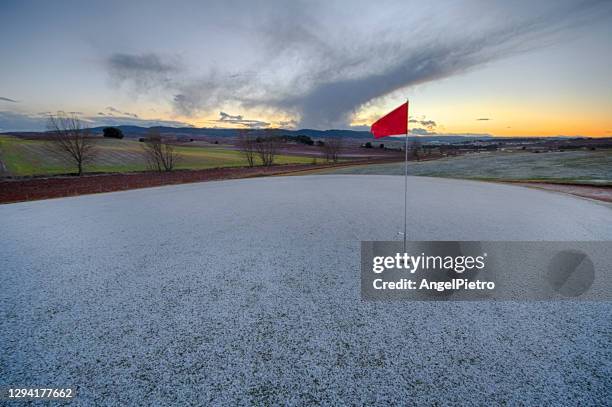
[406, 177]
[394, 124]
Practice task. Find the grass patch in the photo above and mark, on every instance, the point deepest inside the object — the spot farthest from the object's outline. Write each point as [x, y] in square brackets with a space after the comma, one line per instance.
[576, 167]
[31, 157]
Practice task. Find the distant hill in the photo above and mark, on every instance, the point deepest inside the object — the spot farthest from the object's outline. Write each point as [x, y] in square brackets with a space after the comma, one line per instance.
[137, 131]
[194, 132]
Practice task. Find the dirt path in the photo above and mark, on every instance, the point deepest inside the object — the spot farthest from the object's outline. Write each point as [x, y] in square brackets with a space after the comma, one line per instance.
[600, 193]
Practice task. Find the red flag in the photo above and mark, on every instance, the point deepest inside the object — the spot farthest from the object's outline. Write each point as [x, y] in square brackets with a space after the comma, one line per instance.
[392, 124]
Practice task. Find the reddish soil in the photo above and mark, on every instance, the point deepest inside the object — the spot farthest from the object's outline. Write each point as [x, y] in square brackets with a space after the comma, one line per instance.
[28, 189]
[600, 193]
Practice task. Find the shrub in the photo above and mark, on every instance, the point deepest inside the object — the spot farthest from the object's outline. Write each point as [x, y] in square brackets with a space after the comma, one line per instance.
[112, 132]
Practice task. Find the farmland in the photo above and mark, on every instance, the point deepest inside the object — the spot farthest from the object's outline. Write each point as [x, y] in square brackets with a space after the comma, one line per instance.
[27, 157]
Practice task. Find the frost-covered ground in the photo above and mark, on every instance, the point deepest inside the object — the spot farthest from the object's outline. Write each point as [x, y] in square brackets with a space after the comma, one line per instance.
[592, 167]
[247, 292]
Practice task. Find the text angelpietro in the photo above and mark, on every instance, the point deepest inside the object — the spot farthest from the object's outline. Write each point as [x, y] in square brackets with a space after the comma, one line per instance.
[424, 284]
[412, 263]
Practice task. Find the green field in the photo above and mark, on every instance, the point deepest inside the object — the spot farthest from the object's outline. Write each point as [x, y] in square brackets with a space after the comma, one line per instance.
[583, 167]
[21, 157]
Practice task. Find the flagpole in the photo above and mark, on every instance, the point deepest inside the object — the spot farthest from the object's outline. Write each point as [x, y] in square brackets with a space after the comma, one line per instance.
[406, 177]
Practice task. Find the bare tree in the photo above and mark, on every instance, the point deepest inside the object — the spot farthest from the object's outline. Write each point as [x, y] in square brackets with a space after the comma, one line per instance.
[332, 148]
[416, 149]
[446, 150]
[247, 146]
[70, 141]
[267, 148]
[159, 154]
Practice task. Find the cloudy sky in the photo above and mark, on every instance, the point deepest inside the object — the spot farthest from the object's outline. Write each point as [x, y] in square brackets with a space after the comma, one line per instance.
[502, 68]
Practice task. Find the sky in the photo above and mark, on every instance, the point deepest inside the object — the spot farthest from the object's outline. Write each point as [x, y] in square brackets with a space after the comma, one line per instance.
[504, 68]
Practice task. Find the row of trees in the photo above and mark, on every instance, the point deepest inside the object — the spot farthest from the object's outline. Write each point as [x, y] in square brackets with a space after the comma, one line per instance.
[266, 148]
[75, 146]
[414, 149]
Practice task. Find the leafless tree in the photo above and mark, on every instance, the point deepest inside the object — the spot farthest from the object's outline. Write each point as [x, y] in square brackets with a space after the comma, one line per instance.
[247, 146]
[332, 148]
[443, 150]
[267, 148]
[159, 154]
[70, 141]
[416, 149]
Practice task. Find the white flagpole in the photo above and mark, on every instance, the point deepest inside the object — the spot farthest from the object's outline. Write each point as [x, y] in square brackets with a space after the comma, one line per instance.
[406, 177]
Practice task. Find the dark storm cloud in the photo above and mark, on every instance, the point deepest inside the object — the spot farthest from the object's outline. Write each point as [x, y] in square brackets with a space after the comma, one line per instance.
[116, 112]
[2, 98]
[332, 103]
[140, 63]
[227, 116]
[422, 132]
[209, 91]
[288, 123]
[144, 71]
[429, 124]
[97, 121]
[239, 120]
